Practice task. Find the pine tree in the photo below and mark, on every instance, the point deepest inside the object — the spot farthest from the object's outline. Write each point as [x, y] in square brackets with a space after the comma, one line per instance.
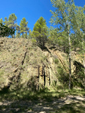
[23, 28]
[12, 21]
[40, 32]
[18, 31]
[30, 34]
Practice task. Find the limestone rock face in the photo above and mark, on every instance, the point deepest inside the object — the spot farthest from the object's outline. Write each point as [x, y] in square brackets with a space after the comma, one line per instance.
[19, 62]
[25, 65]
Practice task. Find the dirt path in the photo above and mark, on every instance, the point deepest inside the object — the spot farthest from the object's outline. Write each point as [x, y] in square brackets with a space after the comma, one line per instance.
[75, 104]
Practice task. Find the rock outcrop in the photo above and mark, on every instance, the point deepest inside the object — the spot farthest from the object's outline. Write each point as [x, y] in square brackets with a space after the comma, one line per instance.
[25, 65]
[20, 61]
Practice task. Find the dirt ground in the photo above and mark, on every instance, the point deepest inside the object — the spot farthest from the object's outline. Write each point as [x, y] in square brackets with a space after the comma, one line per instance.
[69, 104]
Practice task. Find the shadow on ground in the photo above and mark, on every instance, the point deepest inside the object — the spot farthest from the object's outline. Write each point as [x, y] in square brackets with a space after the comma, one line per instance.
[43, 101]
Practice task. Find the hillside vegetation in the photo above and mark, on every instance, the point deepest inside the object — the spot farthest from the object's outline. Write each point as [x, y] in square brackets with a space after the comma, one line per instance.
[31, 76]
[25, 65]
[46, 65]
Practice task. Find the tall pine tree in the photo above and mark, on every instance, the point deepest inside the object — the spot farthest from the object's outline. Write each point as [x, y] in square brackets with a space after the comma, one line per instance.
[40, 32]
[24, 28]
[12, 21]
[18, 31]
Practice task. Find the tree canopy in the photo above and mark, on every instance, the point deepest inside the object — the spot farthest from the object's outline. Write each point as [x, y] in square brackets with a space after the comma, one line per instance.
[23, 27]
[40, 31]
[5, 31]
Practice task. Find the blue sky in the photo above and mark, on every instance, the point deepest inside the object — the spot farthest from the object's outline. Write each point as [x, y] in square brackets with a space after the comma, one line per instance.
[32, 10]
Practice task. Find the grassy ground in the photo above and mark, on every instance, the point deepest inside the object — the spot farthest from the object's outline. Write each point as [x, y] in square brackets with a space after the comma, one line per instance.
[28, 94]
[45, 101]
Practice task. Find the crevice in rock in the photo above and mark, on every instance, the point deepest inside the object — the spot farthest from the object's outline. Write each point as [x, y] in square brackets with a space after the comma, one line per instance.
[24, 57]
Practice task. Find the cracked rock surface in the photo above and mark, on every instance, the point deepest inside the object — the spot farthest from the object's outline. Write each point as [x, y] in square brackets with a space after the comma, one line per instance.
[19, 60]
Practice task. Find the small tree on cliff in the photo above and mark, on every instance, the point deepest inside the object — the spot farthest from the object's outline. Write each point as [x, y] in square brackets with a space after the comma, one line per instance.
[40, 32]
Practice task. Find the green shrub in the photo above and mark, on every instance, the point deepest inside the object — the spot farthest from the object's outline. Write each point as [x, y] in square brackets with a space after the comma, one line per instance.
[56, 61]
[78, 78]
[63, 77]
[34, 41]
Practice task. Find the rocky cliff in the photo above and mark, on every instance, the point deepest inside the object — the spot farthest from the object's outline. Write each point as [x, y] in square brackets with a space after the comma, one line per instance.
[25, 65]
[22, 63]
